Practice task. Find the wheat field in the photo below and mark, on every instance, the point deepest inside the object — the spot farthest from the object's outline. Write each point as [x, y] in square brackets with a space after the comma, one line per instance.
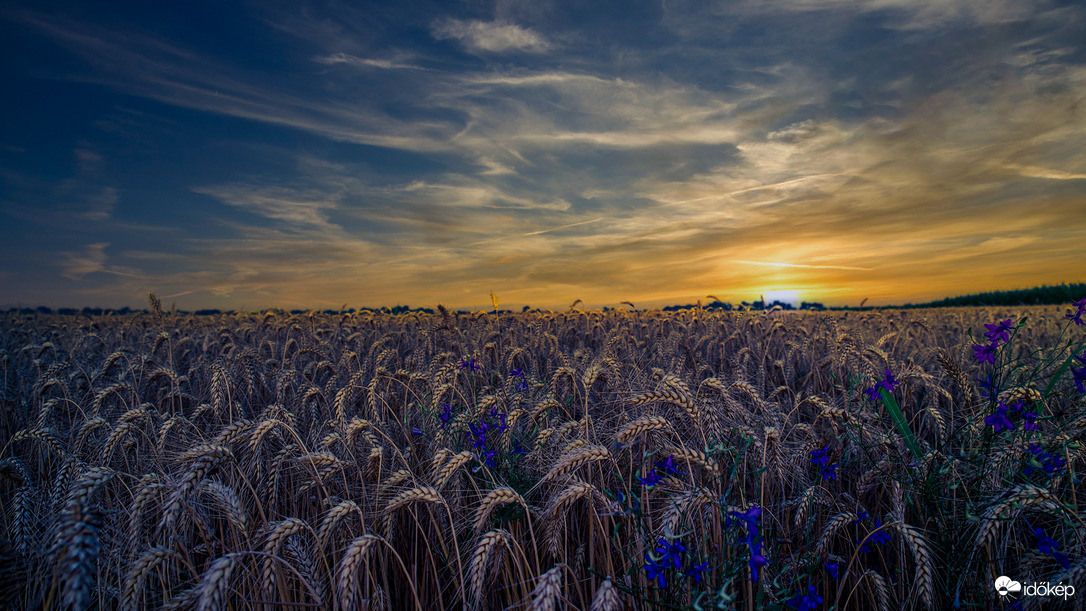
[618, 459]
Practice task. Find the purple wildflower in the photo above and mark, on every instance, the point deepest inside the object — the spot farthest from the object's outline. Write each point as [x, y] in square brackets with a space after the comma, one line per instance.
[1050, 463]
[416, 431]
[985, 353]
[889, 383]
[1029, 421]
[522, 383]
[446, 414]
[881, 537]
[1080, 306]
[999, 420]
[757, 560]
[656, 570]
[502, 426]
[808, 602]
[649, 480]
[477, 435]
[696, 571]
[999, 332]
[819, 457]
[1048, 545]
[1080, 373]
[833, 568]
[469, 364]
[829, 472]
[668, 465]
[672, 552]
[751, 517]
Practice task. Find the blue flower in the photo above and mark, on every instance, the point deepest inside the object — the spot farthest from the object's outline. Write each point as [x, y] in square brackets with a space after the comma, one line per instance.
[861, 515]
[880, 537]
[833, 568]
[888, 382]
[502, 426]
[1050, 463]
[808, 602]
[656, 570]
[477, 435]
[999, 420]
[668, 465]
[416, 431]
[751, 517]
[1077, 316]
[446, 414]
[696, 571]
[757, 561]
[1048, 545]
[469, 364]
[1080, 374]
[985, 353]
[522, 383]
[649, 480]
[671, 552]
[1029, 421]
[999, 331]
[819, 457]
[829, 472]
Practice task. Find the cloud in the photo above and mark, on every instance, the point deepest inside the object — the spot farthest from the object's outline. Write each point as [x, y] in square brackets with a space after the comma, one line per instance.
[363, 62]
[100, 206]
[490, 37]
[79, 264]
[804, 266]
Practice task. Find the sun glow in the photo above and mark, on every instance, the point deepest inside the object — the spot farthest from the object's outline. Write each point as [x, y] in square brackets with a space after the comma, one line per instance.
[791, 296]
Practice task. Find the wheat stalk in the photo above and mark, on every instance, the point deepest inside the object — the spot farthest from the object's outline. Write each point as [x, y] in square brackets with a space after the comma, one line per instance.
[573, 460]
[924, 576]
[348, 586]
[211, 592]
[496, 497]
[547, 592]
[487, 552]
[607, 598]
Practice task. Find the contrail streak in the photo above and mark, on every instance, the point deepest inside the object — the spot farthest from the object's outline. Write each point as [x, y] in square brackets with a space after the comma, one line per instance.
[531, 233]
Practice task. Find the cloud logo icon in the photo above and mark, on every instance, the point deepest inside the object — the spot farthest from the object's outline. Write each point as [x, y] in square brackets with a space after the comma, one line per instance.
[1005, 585]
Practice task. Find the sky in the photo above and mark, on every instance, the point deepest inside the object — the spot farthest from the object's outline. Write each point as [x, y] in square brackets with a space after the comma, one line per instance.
[306, 154]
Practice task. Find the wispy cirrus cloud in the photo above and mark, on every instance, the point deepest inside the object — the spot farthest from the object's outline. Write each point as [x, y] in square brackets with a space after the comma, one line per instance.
[491, 37]
[365, 62]
[79, 264]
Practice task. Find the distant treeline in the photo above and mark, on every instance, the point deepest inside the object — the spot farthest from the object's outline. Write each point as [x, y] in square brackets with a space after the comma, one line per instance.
[756, 305]
[1041, 295]
[211, 312]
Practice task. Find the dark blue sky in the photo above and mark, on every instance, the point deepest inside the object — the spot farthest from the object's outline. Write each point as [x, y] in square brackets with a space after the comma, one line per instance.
[309, 154]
